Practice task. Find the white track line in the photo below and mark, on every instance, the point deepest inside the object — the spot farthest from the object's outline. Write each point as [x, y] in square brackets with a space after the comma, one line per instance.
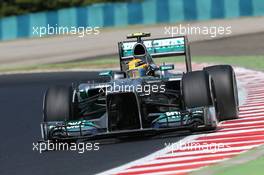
[241, 123]
[145, 159]
[247, 117]
[251, 107]
[159, 168]
[241, 116]
[241, 128]
[171, 172]
[206, 151]
[234, 132]
[157, 161]
[251, 111]
[237, 137]
[200, 143]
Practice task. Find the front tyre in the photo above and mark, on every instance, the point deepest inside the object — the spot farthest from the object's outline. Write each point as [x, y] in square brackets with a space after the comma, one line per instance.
[57, 104]
[198, 92]
[197, 89]
[225, 90]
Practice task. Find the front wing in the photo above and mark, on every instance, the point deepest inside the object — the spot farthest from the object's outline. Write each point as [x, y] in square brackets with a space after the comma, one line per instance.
[190, 120]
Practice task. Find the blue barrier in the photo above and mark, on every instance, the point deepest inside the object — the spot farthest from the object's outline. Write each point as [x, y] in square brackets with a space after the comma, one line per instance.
[122, 14]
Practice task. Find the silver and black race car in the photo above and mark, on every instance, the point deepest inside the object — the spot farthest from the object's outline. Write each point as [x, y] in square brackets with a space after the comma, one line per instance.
[142, 98]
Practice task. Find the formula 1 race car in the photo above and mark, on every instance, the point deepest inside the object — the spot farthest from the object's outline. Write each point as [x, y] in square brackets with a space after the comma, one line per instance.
[142, 98]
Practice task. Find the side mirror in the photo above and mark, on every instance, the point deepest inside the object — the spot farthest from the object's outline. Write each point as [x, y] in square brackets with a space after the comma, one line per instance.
[166, 67]
[108, 73]
[119, 75]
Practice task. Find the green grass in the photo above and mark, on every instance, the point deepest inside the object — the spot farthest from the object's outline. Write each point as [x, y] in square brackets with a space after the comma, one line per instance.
[255, 167]
[248, 163]
[252, 62]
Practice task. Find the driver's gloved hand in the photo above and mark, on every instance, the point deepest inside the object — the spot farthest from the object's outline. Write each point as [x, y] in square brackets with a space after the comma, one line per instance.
[151, 69]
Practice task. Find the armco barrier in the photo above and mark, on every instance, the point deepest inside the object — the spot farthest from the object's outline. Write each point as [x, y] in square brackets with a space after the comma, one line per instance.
[122, 14]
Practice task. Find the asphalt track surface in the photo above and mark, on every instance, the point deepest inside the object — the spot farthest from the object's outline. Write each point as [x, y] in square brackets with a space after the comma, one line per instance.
[21, 106]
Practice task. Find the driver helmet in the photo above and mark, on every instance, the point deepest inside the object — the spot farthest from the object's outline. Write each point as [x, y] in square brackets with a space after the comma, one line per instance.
[137, 68]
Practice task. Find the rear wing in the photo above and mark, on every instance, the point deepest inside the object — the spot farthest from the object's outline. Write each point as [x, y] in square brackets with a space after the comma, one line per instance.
[158, 47]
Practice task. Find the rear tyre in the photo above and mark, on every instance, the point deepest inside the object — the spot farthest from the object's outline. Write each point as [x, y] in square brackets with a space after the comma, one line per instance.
[57, 104]
[196, 89]
[225, 90]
